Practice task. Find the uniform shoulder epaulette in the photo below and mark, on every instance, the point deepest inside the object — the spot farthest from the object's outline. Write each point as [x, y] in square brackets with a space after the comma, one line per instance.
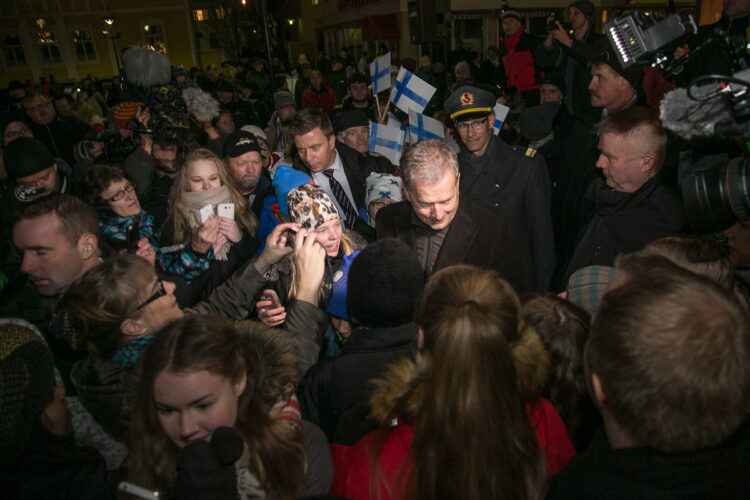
[529, 152]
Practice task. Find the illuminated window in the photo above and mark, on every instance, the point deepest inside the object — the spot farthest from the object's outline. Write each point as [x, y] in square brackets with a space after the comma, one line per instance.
[13, 55]
[153, 35]
[315, 2]
[48, 49]
[200, 15]
[84, 45]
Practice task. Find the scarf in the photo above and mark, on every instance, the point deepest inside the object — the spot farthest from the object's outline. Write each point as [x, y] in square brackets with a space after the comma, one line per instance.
[129, 354]
[193, 201]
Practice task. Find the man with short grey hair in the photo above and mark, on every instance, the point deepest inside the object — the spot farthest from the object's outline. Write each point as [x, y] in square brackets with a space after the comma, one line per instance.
[443, 227]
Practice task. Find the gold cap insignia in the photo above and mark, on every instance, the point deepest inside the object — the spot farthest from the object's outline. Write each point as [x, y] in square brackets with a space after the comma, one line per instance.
[467, 99]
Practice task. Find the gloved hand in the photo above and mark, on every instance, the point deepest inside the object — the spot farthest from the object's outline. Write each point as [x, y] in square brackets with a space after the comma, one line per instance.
[205, 471]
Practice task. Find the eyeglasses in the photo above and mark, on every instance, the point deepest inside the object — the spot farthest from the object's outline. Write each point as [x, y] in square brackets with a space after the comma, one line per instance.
[356, 132]
[159, 292]
[121, 193]
[21, 132]
[38, 107]
[476, 125]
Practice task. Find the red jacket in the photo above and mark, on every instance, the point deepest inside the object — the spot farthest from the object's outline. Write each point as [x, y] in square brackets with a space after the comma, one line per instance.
[325, 97]
[519, 61]
[352, 466]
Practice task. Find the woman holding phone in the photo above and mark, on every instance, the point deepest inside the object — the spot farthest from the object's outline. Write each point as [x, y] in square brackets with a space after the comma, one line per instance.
[200, 188]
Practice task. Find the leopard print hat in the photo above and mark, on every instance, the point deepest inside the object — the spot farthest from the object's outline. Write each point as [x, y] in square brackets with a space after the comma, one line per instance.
[310, 206]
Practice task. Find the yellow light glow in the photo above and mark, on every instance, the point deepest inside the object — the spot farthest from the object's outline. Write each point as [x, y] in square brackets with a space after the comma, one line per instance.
[290, 21]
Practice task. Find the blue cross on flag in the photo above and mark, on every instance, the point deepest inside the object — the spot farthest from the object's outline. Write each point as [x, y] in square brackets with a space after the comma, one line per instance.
[424, 127]
[501, 112]
[387, 141]
[380, 72]
[410, 92]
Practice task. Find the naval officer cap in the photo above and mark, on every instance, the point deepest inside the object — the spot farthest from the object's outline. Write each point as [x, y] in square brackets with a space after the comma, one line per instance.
[468, 102]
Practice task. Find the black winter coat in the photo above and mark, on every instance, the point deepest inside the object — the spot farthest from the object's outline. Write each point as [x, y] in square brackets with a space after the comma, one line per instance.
[625, 222]
[335, 393]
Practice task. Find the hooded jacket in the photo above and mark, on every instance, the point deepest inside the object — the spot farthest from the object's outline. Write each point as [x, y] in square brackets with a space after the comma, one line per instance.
[403, 386]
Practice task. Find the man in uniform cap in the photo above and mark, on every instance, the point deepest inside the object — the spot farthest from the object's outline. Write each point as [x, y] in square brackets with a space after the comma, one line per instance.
[512, 182]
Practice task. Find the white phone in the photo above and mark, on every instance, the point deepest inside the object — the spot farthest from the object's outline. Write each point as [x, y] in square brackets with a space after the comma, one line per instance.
[206, 212]
[225, 210]
[137, 491]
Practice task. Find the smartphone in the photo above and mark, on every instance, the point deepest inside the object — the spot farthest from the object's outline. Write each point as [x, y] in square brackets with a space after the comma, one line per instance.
[206, 212]
[137, 491]
[225, 210]
[132, 236]
[552, 25]
[272, 298]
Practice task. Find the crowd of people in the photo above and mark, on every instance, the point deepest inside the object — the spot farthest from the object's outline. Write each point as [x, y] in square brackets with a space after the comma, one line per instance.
[251, 303]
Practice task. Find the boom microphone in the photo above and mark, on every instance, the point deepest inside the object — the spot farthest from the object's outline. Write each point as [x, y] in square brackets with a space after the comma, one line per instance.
[689, 118]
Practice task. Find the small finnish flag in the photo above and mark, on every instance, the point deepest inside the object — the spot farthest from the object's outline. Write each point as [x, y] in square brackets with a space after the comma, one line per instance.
[395, 122]
[410, 92]
[501, 112]
[424, 127]
[387, 141]
[380, 72]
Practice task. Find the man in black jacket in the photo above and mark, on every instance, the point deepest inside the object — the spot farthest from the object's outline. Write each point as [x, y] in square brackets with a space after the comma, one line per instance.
[666, 364]
[630, 205]
[242, 154]
[571, 57]
[443, 227]
[513, 183]
[384, 284]
[338, 169]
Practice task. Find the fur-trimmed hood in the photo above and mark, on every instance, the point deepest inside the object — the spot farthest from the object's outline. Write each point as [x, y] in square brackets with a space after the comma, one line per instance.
[277, 363]
[402, 384]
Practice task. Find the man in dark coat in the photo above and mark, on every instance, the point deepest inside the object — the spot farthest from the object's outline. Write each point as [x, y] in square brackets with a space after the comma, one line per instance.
[338, 169]
[443, 227]
[571, 56]
[243, 157]
[666, 364]
[383, 286]
[59, 134]
[511, 182]
[630, 205]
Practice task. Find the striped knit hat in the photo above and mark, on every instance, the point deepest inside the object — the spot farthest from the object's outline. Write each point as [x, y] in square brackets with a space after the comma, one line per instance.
[124, 114]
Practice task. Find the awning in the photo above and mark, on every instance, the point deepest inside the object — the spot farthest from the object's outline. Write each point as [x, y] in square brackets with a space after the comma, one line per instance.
[383, 27]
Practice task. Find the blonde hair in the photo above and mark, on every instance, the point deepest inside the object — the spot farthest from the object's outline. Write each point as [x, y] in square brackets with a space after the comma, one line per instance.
[183, 226]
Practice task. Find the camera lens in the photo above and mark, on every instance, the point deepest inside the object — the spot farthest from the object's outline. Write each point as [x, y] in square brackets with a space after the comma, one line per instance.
[717, 196]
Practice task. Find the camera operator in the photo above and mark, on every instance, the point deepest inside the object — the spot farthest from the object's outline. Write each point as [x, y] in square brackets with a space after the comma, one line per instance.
[571, 56]
[154, 165]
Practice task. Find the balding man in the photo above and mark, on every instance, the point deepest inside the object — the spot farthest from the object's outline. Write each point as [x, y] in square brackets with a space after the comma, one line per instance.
[630, 205]
[442, 226]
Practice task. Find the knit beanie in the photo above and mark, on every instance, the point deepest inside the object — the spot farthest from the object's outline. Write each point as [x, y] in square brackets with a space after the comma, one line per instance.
[310, 206]
[281, 99]
[586, 286]
[26, 156]
[586, 7]
[124, 114]
[284, 180]
[26, 380]
[385, 282]
[511, 13]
